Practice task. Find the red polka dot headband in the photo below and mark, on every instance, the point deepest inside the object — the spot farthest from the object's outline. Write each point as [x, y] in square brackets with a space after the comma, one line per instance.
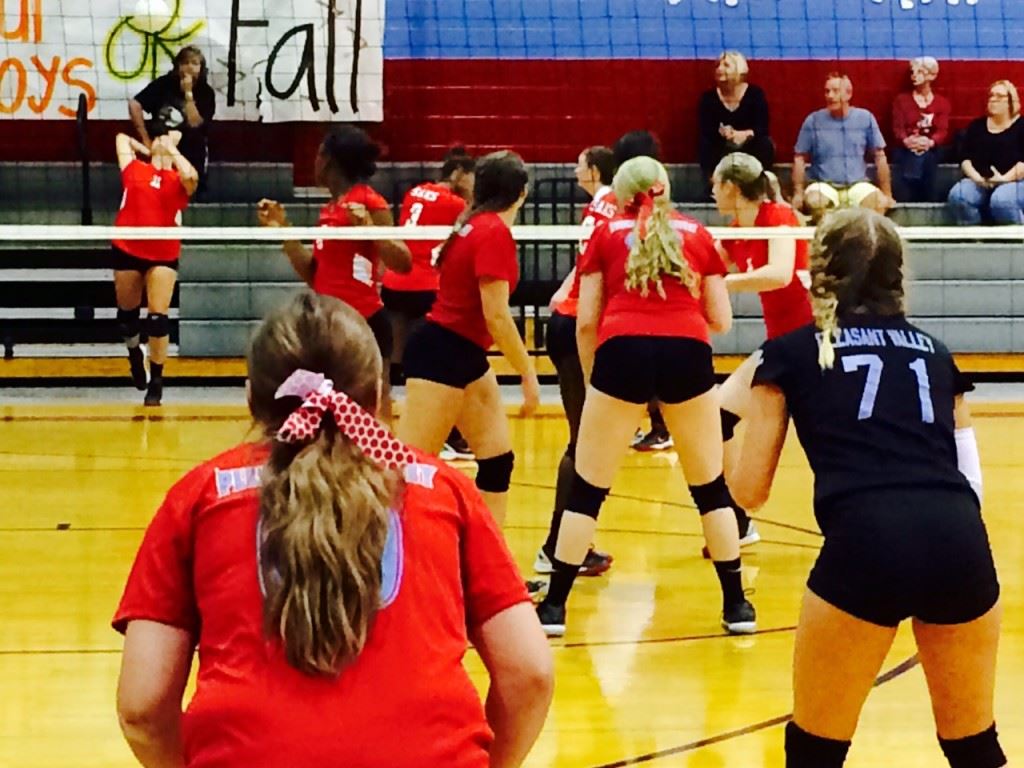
[318, 397]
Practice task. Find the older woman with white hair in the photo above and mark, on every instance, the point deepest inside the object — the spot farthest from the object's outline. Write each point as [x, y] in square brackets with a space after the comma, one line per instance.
[920, 123]
[733, 116]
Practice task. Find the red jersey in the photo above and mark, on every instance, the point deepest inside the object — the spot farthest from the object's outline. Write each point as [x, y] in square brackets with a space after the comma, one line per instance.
[405, 701]
[602, 208]
[426, 205]
[483, 249]
[347, 269]
[788, 308]
[151, 198]
[628, 313]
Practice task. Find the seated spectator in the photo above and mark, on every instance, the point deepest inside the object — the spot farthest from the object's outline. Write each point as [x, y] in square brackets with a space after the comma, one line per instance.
[993, 165]
[831, 150]
[182, 100]
[331, 579]
[920, 123]
[733, 116]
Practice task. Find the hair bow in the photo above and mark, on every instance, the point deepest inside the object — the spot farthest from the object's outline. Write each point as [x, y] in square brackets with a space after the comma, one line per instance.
[318, 398]
[644, 203]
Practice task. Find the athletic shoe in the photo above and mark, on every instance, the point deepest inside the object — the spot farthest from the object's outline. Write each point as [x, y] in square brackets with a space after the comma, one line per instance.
[537, 589]
[747, 538]
[594, 564]
[137, 363]
[456, 449]
[155, 392]
[552, 619]
[740, 619]
[655, 440]
[637, 438]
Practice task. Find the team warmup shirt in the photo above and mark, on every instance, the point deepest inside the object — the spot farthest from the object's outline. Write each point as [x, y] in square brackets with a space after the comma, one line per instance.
[482, 250]
[406, 701]
[882, 417]
[151, 198]
[785, 309]
[627, 312]
[603, 207]
[347, 269]
[426, 205]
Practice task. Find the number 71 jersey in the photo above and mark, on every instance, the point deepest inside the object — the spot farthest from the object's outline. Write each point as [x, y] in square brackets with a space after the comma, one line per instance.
[882, 416]
[424, 205]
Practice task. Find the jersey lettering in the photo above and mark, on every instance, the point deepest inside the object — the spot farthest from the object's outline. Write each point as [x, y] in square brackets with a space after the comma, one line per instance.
[425, 194]
[362, 269]
[155, 182]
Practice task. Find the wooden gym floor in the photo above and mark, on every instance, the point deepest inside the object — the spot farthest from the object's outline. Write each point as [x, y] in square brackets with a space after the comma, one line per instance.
[644, 675]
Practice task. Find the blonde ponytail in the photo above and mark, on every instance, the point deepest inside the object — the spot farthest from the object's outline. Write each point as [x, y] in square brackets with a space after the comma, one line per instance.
[656, 247]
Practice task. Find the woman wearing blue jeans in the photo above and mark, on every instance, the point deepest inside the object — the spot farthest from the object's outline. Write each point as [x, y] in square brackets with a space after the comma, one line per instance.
[993, 185]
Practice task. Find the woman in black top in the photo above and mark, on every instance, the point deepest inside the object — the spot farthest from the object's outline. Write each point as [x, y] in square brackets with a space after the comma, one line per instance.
[182, 100]
[733, 116]
[878, 408]
[993, 163]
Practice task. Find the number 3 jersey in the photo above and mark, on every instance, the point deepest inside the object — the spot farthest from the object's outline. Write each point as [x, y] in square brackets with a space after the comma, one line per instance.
[424, 205]
[881, 417]
[347, 269]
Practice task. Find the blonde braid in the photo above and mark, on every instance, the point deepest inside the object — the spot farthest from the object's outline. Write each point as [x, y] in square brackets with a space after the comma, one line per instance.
[660, 251]
[824, 305]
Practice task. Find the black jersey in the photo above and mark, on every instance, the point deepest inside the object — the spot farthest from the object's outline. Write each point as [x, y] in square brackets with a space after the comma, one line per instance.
[881, 417]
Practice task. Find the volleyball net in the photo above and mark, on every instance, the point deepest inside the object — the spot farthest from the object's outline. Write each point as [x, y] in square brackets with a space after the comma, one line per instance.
[57, 296]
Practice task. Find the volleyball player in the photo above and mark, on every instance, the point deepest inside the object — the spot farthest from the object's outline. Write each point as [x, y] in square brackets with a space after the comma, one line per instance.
[331, 579]
[348, 269]
[595, 169]
[652, 288]
[644, 144]
[155, 195]
[448, 378]
[747, 194]
[408, 297]
[878, 406]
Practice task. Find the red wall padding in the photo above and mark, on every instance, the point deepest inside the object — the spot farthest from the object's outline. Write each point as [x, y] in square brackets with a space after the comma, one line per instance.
[547, 110]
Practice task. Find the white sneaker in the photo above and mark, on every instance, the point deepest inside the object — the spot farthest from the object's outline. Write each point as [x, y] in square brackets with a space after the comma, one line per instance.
[450, 453]
[751, 536]
[542, 564]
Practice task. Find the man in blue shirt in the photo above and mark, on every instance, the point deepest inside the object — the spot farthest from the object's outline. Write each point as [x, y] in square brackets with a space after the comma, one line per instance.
[831, 153]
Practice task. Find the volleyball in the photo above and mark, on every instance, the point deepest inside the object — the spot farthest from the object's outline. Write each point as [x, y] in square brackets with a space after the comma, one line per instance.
[151, 15]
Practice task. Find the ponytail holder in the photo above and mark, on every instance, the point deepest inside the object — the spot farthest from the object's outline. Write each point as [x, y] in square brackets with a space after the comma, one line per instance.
[358, 425]
[644, 203]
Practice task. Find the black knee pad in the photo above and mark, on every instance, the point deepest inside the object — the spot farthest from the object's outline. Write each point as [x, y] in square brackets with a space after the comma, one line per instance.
[979, 751]
[584, 498]
[804, 750]
[157, 325]
[128, 323]
[714, 495]
[729, 422]
[494, 475]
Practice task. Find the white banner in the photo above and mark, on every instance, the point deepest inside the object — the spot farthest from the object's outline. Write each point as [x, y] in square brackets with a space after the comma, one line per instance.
[270, 60]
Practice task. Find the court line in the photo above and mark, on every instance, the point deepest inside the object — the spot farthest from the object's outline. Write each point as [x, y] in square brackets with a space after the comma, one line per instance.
[886, 677]
[677, 505]
[680, 639]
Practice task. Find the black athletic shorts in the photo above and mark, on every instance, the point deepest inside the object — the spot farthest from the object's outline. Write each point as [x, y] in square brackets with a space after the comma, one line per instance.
[639, 369]
[125, 262]
[434, 353]
[561, 337]
[410, 304]
[381, 327]
[895, 553]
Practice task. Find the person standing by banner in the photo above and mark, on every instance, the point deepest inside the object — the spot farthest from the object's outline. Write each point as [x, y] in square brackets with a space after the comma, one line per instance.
[182, 100]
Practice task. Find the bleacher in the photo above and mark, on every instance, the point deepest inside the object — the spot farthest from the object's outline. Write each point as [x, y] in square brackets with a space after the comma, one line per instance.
[58, 299]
